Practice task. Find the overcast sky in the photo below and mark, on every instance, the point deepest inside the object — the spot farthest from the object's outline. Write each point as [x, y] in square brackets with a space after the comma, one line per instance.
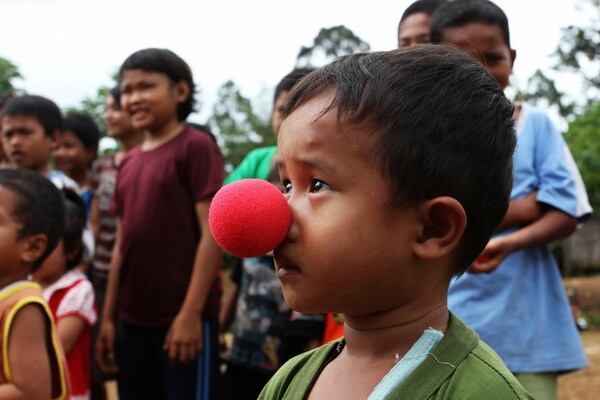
[67, 49]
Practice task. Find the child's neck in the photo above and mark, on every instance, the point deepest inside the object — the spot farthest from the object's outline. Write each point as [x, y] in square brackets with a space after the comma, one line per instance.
[13, 278]
[81, 178]
[378, 338]
[156, 138]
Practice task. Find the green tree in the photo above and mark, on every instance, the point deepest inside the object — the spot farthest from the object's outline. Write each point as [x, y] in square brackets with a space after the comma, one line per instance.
[94, 107]
[583, 137]
[8, 73]
[329, 44]
[578, 53]
[241, 125]
[237, 125]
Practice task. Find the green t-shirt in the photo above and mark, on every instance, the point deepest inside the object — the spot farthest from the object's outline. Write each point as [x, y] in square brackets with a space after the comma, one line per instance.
[256, 164]
[460, 367]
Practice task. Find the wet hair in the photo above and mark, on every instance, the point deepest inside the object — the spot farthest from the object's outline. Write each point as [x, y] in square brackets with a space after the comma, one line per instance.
[166, 62]
[115, 93]
[287, 82]
[421, 6]
[44, 110]
[74, 224]
[462, 12]
[38, 206]
[440, 126]
[84, 127]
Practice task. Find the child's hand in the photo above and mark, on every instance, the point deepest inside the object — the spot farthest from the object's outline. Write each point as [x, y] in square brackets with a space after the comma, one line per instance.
[492, 256]
[184, 339]
[105, 354]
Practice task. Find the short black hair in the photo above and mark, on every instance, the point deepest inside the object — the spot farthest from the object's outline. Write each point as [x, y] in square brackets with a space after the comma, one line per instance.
[75, 220]
[38, 207]
[421, 6]
[166, 62]
[115, 93]
[287, 82]
[84, 127]
[43, 109]
[462, 12]
[441, 125]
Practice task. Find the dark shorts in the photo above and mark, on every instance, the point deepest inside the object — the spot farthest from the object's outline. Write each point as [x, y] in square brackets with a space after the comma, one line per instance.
[146, 373]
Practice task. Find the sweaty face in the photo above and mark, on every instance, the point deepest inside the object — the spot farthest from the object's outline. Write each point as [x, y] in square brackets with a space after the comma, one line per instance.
[71, 156]
[336, 256]
[277, 110]
[150, 98]
[486, 44]
[26, 143]
[118, 122]
[414, 30]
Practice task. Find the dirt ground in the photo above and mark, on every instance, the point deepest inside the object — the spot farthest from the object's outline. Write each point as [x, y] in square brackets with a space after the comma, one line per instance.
[584, 384]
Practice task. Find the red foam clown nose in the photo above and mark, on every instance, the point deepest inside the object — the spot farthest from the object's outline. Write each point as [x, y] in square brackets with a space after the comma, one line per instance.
[249, 218]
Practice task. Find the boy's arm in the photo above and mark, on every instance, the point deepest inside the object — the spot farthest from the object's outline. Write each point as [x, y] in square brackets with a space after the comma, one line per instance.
[105, 344]
[553, 225]
[95, 219]
[184, 340]
[28, 357]
[522, 212]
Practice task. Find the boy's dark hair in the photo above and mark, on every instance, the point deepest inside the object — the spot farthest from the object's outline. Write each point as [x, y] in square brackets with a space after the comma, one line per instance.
[44, 110]
[84, 127]
[442, 126]
[421, 6]
[38, 206]
[287, 82]
[166, 62]
[74, 225]
[461, 12]
[116, 95]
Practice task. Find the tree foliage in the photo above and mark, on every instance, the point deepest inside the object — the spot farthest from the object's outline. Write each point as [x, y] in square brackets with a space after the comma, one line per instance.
[578, 53]
[94, 107]
[329, 44]
[237, 125]
[583, 137]
[241, 126]
[8, 73]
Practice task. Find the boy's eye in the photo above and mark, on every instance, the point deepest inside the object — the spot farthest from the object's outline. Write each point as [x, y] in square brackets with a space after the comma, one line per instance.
[287, 186]
[318, 185]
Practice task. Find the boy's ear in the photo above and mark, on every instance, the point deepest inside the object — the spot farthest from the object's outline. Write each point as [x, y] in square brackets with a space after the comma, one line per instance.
[444, 221]
[182, 91]
[54, 139]
[34, 247]
[513, 56]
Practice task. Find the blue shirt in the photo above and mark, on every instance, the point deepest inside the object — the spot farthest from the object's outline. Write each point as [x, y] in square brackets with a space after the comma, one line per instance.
[521, 309]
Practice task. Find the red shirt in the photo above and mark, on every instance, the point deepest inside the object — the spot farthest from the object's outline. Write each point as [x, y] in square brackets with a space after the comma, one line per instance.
[155, 199]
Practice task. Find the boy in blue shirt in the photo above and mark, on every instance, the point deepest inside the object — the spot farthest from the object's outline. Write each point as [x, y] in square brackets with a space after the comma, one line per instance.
[514, 296]
[386, 159]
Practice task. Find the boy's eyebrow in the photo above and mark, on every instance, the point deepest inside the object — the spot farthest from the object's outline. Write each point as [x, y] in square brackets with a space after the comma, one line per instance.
[317, 165]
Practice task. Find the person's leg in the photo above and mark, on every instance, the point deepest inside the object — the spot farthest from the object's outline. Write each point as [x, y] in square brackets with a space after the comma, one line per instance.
[97, 386]
[139, 357]
[198, 380]
[542, 386]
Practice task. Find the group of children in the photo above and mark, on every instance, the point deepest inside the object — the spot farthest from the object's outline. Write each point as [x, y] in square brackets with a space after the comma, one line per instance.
[419, 219]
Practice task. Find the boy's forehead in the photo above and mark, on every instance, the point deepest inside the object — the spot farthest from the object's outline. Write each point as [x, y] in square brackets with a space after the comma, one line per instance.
[21, 121]
[474, 34]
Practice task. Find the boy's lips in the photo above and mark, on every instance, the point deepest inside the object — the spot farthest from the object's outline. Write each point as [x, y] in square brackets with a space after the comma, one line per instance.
[285, 269]
[17, 155]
